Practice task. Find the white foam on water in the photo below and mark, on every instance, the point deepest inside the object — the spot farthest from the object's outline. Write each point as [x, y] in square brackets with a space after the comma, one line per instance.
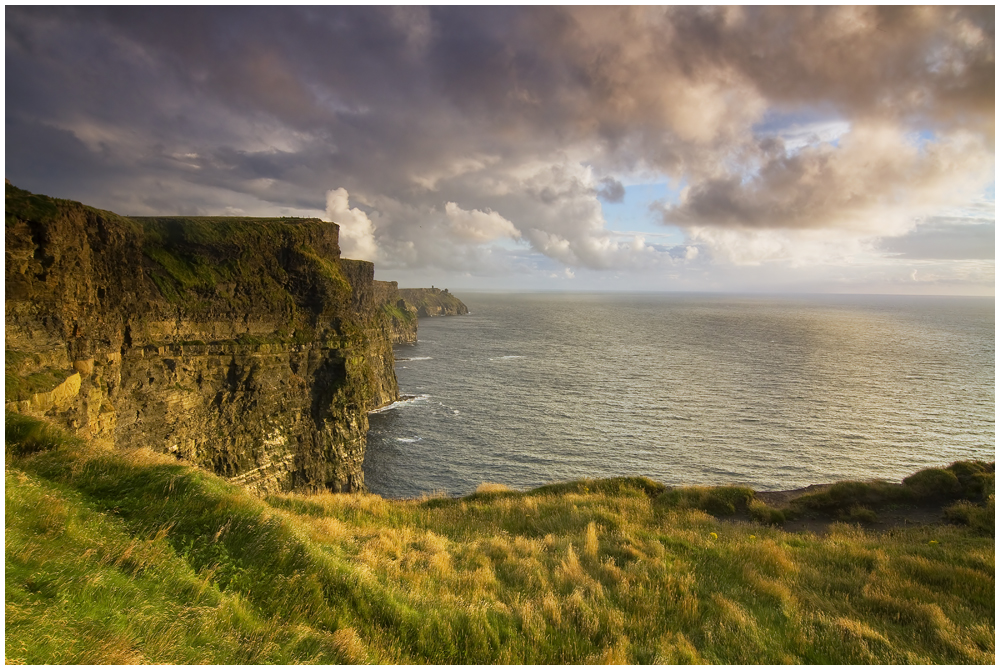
[504, 358]
[405, 400]
[408, 440]
[416, 358]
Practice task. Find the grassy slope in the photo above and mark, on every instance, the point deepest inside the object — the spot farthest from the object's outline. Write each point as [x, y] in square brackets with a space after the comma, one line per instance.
[126, 558]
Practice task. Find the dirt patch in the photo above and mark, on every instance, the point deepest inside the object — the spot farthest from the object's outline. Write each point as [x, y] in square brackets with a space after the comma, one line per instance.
[782, 498]
[887, 518]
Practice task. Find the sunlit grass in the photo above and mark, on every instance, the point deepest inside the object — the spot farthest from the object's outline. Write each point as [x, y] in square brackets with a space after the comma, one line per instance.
[126, 558]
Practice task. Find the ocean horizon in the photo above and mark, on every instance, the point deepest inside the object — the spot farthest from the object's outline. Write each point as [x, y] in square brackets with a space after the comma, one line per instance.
[774, 391]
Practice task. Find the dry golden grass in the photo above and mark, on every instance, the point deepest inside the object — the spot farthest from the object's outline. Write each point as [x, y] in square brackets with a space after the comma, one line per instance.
[137, 559]
[489, 487]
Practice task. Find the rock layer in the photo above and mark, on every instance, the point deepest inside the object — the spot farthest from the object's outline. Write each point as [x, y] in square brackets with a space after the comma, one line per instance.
[247, 346]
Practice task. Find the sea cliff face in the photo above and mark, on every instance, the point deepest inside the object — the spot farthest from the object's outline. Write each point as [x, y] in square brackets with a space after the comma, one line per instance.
[246, 346]
[433, 302]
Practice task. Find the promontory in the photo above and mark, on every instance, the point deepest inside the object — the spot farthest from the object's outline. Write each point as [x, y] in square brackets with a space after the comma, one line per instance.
[247, 346]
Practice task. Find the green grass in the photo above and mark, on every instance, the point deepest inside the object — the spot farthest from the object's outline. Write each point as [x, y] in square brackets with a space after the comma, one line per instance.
[763, 513]
[13, 358]
[431, 298]
[28, 206]
[134, 557]
[716, 500]
[328, 269]
[245, 266]
[19, 384]
[979, 517]
[401, 315]
[962, 480]
[191, 256]
[23, 387]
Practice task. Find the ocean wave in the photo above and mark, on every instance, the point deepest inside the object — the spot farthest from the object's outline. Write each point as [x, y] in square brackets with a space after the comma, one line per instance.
[416, 358]
[405, 400]
[408, 440]
[504, 358]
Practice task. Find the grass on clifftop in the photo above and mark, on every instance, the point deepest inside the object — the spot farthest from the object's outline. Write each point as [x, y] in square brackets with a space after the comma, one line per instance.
[23, 387]
[197, 257]
[134, 557]
[400, 315]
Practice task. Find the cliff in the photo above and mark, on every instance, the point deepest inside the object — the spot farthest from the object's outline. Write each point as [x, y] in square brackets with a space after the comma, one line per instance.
[398, 320]
[433, 302]
[245, 346]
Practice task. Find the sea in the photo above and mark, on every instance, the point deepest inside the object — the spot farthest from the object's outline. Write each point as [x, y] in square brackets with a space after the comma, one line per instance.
[774, 392]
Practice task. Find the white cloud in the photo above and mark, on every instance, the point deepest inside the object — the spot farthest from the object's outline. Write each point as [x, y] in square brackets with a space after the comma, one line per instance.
[357, 233]
[797, 248]
[798, 136]
[479, 226]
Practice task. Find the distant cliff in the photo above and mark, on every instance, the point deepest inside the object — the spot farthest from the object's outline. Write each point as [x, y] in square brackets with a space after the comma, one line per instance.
[433, 302]
[247, 346]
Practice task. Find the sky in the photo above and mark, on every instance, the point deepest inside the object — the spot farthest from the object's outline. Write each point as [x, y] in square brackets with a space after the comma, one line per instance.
[782, 149]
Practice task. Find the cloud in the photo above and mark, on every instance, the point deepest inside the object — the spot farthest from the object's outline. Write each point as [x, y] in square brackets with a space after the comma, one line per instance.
[357, 234]
[795, 248]
[946, 239]
[799, 133]
[558, 202]
[875, 171]
[423, 236]
[826, 201]
[478, 226]
[611, 190]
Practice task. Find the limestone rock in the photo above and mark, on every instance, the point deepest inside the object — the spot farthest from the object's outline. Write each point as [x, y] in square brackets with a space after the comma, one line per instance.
[247, 346]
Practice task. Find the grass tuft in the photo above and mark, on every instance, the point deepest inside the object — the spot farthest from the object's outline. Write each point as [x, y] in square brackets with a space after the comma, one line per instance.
[763, 513]
[980, 517]
[933, 483]
[860, 514]
[25, 435]
[717, 501]
[488, 487]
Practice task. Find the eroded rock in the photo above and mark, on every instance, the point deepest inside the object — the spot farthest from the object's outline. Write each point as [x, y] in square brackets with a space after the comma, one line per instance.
[247, 346]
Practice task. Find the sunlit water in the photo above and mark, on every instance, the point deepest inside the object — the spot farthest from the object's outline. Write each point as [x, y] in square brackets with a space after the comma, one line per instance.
[776, 393]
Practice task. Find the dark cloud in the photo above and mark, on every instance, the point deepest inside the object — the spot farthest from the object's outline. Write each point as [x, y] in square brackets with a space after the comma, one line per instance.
[611, 190]
[506, 114]
[874, 172]
[51, 158]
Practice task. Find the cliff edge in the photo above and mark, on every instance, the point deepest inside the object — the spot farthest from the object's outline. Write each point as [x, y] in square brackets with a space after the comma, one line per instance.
[244, 345]
[433, 302]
